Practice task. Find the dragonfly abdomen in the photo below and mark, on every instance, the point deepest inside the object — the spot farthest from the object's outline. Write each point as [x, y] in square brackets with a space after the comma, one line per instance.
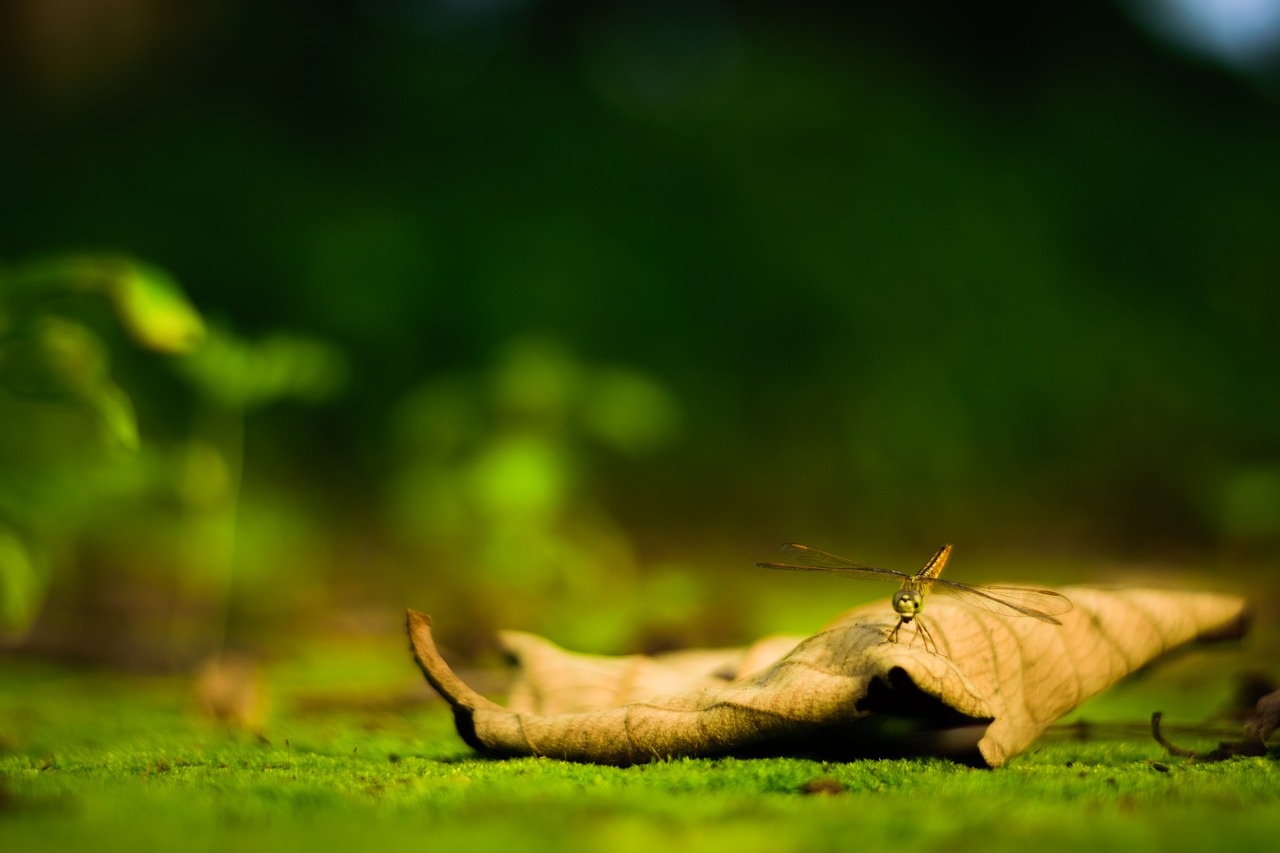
[933, 568]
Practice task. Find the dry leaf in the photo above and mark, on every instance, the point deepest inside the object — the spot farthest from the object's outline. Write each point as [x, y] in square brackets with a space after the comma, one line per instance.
[996, 685]
[232, 689]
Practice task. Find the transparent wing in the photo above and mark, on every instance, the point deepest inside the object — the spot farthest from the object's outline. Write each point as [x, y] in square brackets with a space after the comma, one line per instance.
[812, 560]
[1042, 604]
[806, 556]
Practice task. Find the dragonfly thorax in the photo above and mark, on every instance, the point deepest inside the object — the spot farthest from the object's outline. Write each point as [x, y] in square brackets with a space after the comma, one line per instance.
[908, 602]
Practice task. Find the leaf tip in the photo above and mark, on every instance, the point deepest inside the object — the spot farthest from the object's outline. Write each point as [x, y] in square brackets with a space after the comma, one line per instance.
[433, 666]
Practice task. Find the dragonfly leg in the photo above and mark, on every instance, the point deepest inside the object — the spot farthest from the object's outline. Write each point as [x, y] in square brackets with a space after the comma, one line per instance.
[929, 644]
[893, 635]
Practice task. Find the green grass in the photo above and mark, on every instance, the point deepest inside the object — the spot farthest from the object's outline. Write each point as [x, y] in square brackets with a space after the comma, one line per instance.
[98, 761]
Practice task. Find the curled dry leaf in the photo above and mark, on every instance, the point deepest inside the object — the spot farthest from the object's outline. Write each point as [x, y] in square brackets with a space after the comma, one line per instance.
[842, 692]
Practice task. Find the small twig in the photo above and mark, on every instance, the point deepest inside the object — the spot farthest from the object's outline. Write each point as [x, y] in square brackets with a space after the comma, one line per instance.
[1173, 750]
[1250, 745]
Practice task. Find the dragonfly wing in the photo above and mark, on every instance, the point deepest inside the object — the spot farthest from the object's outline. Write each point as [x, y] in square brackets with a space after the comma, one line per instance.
[812, 560]
[1042, 604]
[806, 556]
[866, 573]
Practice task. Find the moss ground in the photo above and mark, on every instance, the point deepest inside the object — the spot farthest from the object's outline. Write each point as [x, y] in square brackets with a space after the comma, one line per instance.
[100, 761]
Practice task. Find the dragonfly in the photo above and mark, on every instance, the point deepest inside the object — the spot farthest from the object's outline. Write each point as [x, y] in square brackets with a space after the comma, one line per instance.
[908, 601]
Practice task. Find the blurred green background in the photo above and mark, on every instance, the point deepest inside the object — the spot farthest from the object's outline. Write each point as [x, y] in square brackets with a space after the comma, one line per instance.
[560, 315]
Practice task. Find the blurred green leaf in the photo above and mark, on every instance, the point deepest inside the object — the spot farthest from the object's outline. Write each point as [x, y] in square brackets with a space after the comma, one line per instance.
[154, 309]
[520, 477]
[437, 420]
[629, 411]
[1251, 504]
[50, 358]
[149, 304]
[246, 374]
[57, 360]
[23, 579]
[115, 413]
[536, 377]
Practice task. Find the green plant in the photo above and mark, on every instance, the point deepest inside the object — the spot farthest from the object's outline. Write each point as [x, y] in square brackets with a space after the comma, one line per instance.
[66, 426]
[73, 461]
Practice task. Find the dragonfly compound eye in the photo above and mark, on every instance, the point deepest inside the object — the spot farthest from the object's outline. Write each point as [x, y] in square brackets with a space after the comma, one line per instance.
[908, 602]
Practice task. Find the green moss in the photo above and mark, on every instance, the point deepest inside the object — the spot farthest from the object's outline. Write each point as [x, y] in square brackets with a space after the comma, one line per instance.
[91, 761]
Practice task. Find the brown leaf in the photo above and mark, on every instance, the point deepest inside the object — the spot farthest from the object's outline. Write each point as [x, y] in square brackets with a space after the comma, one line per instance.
[232, 689]
[995, 686]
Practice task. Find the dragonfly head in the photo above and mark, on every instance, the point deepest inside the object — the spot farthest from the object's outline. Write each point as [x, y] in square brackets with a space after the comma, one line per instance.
[907, 603]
